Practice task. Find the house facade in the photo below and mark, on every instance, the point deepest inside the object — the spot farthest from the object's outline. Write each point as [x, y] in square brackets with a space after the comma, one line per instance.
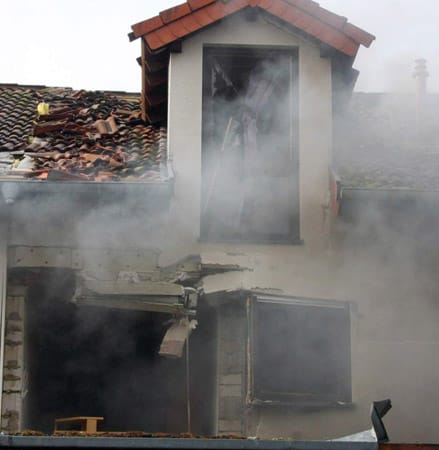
[196, 263]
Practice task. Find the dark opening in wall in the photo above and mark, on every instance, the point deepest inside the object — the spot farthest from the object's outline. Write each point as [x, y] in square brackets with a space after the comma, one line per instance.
[301, 351]
[92, 361]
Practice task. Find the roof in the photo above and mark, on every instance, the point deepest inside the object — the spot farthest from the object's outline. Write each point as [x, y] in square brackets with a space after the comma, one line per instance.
[164, 33]
[84, 135]
[379, 146]
[192, 16]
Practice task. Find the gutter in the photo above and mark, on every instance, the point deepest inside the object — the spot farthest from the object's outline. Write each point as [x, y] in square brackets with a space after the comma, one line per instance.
[14, 190]
[28, 442]
[355, 193]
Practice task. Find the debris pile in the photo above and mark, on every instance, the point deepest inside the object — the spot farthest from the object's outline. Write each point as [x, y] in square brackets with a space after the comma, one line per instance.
[128, 434]
[81, 135]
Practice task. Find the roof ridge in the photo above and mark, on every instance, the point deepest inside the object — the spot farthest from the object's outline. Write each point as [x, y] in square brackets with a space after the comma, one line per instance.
[191, 16]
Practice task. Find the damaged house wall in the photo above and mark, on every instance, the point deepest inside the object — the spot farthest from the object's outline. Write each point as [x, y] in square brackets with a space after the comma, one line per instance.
[293, 341]
[318, 269]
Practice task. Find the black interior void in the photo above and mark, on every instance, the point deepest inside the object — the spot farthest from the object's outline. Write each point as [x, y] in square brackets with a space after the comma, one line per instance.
[94, 361]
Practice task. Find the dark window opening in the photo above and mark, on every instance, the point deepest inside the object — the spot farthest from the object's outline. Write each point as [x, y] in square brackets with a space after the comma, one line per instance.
[301, 351]
[94, 361]
[249, 155]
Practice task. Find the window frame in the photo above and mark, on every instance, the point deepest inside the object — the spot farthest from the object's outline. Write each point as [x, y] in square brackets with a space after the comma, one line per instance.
[343, 396]
[259, 51]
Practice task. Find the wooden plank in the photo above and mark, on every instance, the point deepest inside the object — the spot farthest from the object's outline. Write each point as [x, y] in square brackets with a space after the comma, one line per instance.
[175, 338]
[89, 424]
[144, 80]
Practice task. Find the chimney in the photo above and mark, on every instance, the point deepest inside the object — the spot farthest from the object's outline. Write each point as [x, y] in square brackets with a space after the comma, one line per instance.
[420, 74]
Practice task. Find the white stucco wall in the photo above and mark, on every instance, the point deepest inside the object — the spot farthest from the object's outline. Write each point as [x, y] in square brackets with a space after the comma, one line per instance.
[185, 129]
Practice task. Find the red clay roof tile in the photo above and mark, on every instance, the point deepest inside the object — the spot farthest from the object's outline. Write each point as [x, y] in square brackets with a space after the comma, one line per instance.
[190, 24]
[202, 17]
[171, 14]
[307, 15]
[215, 11]
[264, 4]
[196, 4]
[330, 18]
[311, 25]
[358, 34]
[233, 6]
[192, 16]
[100, 136]
[177, 29]
[166, 35]
[278, 8]
[153, 41]
[142, 28]
[320, 13]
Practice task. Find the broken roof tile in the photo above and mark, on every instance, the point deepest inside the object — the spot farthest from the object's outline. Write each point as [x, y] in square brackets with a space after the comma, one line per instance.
[86, 136]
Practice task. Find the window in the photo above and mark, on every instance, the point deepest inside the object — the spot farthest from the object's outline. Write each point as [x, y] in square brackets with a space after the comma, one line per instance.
[301, 351]
[249, 153]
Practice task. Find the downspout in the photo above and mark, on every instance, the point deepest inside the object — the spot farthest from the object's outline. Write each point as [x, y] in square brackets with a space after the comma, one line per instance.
[420, 74]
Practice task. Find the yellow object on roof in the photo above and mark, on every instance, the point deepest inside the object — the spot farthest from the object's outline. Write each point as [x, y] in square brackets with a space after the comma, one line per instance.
[43, 109]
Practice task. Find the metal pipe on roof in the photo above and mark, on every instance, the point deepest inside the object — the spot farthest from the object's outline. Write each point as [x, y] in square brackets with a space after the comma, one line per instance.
[420, 74]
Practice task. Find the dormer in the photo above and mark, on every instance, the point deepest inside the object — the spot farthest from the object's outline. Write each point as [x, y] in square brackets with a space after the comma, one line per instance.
[247, 90]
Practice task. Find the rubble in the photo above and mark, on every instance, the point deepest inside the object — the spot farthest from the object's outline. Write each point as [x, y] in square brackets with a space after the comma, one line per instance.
[127, 434]
[78, 136]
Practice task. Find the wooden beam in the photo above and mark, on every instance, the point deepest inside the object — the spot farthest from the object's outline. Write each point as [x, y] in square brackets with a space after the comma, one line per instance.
[144, 80]
[86, 423]
[176, 46]
[157, 96]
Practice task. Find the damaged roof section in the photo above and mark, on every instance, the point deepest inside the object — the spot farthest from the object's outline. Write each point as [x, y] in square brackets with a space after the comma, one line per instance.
[63, 134]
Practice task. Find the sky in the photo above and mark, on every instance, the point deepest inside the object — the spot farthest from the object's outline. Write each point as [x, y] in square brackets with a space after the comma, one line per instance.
[83, 44]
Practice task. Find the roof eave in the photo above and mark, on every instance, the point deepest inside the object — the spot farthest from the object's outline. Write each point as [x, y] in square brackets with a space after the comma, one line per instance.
[160, 31]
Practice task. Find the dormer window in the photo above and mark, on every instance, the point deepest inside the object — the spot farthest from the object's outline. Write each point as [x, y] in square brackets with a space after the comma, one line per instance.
[250, 179]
